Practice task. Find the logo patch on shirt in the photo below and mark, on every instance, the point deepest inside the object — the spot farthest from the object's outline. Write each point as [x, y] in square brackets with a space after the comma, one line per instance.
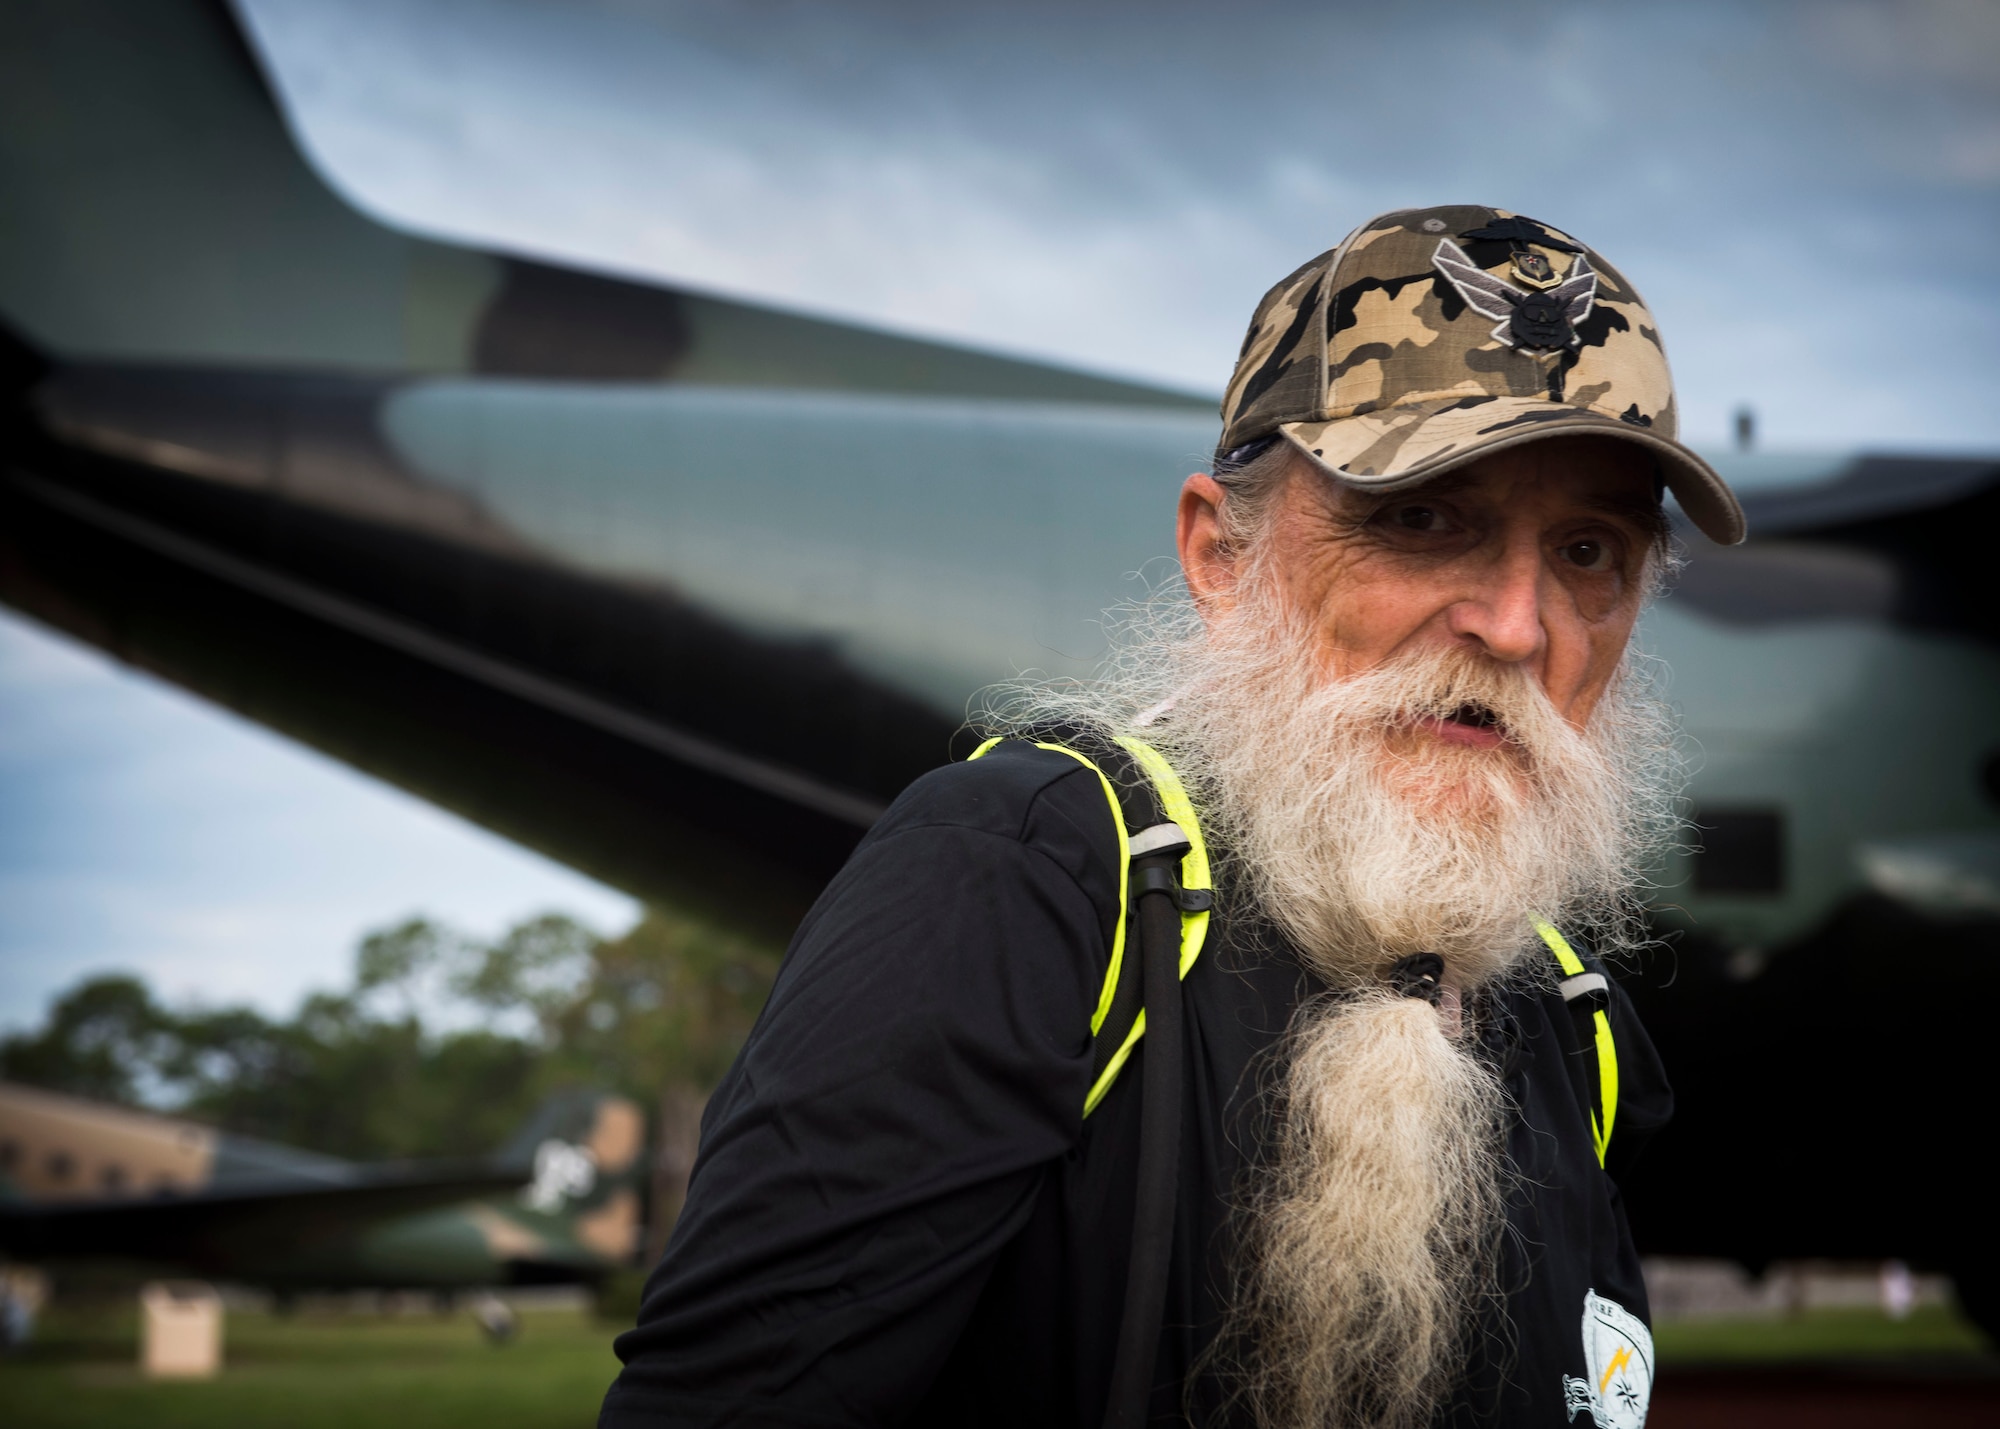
[1618, 1356]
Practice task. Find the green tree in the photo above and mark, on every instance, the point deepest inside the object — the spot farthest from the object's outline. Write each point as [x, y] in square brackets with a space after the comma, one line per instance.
[657, 1014]
[338, 1080]
[104, 1039]
[665, 1012]
[442, 1045]
[539, 967]
[403, 959]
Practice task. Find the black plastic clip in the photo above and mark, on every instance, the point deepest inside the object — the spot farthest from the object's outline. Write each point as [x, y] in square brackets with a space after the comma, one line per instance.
[1419, 975]
[1161, 880]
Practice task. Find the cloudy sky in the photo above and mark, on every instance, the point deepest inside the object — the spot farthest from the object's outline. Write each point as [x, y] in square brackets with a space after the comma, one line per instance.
[1808, 193]
[141, 829]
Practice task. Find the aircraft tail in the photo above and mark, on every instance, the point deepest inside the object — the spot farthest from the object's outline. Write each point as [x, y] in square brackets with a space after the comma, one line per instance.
[583, 1157]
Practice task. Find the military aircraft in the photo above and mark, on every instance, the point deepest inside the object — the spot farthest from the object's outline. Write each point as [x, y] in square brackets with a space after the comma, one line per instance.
[682, 590]
[85, 1182]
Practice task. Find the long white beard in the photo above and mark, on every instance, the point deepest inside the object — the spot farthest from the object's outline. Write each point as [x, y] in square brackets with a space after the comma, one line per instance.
[1372, 1241]
[1366, 839]
[1371, 1237]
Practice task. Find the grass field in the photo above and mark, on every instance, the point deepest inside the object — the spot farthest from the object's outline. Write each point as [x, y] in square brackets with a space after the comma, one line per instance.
[437, 1373]
[320, 1370]
[1932, 1332]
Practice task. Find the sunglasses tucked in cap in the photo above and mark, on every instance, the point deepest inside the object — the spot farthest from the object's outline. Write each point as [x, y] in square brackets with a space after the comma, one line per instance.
[1432, 337]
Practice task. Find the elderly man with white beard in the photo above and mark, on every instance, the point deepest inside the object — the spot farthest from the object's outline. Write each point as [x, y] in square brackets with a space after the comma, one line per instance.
[1227, 1042]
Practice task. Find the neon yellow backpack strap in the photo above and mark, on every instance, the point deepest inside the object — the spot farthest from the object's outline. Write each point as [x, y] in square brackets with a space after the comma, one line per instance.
[1195, 874]
[1607, 1049]
[1124, 857]
[1179, 809]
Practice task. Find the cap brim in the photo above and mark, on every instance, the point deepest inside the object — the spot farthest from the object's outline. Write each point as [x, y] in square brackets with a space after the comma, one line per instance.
[1405, 446]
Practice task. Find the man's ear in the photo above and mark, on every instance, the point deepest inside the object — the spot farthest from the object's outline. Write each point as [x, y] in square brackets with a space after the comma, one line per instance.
[1207, 562]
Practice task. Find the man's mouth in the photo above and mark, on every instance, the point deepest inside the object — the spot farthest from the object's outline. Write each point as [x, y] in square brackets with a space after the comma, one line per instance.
[1470, 724]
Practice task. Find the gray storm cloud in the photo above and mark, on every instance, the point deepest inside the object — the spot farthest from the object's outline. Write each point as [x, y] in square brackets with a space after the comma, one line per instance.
[1804, 191]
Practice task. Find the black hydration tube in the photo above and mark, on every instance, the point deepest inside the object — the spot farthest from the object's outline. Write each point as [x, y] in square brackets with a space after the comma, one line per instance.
[1158, 896]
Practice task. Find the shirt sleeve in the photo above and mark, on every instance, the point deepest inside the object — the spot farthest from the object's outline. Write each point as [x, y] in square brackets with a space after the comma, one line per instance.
[924, 1055]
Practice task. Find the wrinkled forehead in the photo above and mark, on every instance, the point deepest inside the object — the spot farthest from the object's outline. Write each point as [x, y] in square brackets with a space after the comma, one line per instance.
[1581, 472]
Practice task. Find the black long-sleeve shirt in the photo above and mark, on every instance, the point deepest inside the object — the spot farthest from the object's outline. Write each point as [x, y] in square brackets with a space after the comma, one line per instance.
[900, 1215]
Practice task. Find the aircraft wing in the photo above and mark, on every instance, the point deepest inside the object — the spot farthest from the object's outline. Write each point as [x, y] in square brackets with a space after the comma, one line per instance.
[208, 1229]
[1898, 539]
[1869, 489]
[728, 595]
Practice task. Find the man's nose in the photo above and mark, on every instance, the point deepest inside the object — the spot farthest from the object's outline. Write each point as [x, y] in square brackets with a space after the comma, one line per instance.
[1503, 612]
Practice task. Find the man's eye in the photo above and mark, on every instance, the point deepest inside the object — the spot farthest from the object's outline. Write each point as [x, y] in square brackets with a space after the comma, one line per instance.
[1417, 518]
[1590, 555]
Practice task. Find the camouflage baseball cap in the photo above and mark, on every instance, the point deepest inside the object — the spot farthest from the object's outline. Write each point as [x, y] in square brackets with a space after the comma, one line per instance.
[1434, 336]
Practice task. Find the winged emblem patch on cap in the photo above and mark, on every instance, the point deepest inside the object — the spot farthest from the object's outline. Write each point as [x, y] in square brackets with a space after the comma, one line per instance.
[1538, 322]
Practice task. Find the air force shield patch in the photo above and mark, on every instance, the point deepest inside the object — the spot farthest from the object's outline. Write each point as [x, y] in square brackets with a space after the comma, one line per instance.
[1618, 1355]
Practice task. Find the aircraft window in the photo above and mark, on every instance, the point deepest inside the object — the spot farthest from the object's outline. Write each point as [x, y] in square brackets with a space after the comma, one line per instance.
[10, 1153]
[60, 1165]
[112, 1179]
[1742, 851]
